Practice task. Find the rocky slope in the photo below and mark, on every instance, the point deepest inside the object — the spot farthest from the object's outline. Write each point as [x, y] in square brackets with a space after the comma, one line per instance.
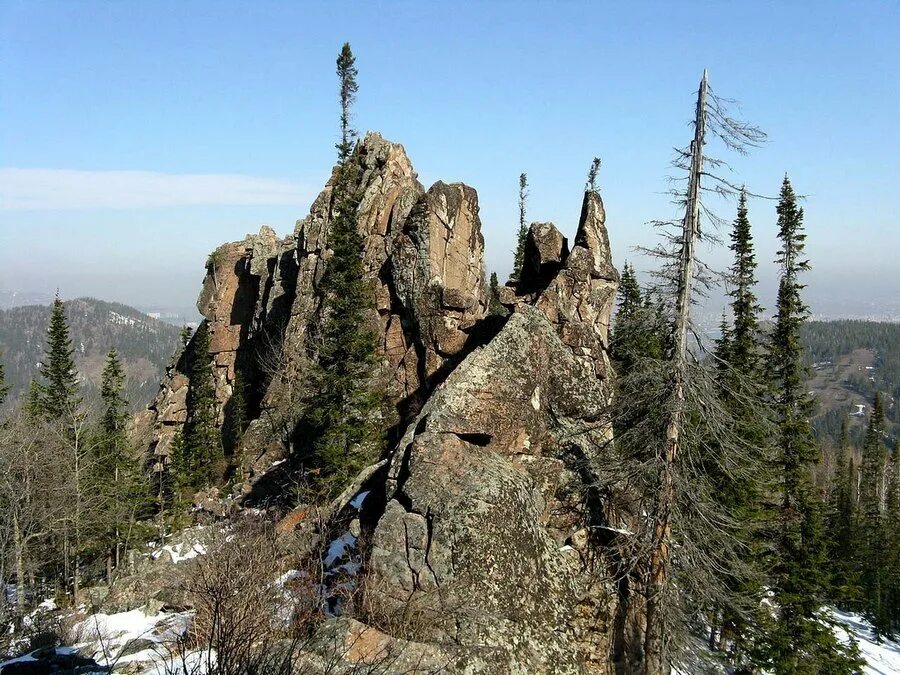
[482, 518]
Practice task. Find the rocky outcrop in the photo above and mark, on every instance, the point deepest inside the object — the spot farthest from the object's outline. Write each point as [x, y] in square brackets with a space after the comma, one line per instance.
[480, 524]
[490, 505]
[478, 536]
[438, 272]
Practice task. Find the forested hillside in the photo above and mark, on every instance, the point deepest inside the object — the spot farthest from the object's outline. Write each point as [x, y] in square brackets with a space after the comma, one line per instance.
[851, 361]
[144, 344]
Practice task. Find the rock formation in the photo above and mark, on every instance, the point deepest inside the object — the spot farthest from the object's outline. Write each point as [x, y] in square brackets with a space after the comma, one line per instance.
[480, 520]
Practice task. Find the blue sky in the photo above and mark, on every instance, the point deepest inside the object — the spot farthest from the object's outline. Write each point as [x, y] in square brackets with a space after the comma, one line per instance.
[137, 136]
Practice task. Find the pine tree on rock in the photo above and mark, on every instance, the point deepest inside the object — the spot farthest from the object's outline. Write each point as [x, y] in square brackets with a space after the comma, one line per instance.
[522, 235]
[345, 411]
[59, 390]
[800, 641]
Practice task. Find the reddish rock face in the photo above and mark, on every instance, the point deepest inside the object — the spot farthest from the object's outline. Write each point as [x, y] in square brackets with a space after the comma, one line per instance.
[484, 515]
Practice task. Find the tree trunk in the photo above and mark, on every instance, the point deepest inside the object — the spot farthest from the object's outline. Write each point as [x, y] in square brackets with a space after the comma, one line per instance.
[20, 567]
[655, 659]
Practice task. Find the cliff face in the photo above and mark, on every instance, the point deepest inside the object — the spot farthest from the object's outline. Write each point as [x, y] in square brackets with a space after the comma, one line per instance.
[480, 519]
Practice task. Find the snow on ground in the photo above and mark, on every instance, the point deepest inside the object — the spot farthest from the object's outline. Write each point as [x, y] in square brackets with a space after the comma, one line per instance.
[175, 551]
[104, 637]
[881, 658]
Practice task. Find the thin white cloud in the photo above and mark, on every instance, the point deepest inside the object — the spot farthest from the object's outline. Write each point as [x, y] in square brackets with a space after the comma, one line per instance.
[45, 189]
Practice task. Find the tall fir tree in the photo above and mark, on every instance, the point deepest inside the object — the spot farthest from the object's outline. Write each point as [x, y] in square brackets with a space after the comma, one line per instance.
[201, 444]
[841, 526]
[633, 324]
[59, 390]
[873, 534]
[345, 411]
[800, 641]
[892, 566]
[117, 467]
[113, 438]
[745, 345]
[742, 388]
[494, 306]
[522, 234]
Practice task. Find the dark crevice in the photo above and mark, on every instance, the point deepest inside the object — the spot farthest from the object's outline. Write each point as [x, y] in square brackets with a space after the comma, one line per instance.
[474, 438]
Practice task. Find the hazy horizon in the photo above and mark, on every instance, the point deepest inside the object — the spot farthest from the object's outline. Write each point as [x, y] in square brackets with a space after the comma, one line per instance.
[136, 138]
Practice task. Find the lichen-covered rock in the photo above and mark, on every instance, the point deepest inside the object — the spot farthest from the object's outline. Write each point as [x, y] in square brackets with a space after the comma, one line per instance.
[546, 249]
[479, 507]
[438, 271]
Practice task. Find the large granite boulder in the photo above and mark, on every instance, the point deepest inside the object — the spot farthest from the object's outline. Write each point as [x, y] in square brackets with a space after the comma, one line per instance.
[485, 499]
[438, 271]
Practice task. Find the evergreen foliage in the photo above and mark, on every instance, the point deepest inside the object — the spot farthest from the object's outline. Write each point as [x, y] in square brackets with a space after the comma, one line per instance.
[522, 235]
[640, 324]
[873, 540]
[742, 388]
[799, 641]
[113, 436]
[494, 306]
[201, 446]
[744, 347]
[59, 390]
[843, 557]
[118, 468]
[592, 175]
[892, 563]
[344, 415]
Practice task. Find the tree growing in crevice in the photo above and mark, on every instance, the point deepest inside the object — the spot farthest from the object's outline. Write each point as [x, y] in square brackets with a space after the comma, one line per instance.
[343, 417]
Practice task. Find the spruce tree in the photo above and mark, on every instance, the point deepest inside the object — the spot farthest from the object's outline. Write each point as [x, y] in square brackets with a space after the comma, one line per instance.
[201, 446]
[873, 534]
[33, 406]
[632, 321]
[892, 564]
[745, 342]
[59, 390]
[799, 641]
[117, 467]
[345, 411]
[494, 306]
[841, 517]
[742, 387]
[113, 438]
[522, 235]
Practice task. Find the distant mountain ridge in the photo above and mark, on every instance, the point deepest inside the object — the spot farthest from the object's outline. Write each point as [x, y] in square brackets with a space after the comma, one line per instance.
[144, 344]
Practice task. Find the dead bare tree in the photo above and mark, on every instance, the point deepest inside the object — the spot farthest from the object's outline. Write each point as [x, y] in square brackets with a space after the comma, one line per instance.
[671, 426]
